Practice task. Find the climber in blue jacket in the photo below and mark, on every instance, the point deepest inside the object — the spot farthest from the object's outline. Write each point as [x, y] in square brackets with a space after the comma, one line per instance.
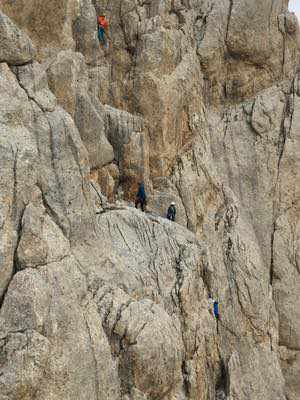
[141, 197]
[216, 310]
[217, 313]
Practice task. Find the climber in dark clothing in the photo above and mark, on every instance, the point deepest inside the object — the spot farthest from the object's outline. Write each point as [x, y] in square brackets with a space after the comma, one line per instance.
[171, 214]
[216, 313]
[141, 197]
[216, 310]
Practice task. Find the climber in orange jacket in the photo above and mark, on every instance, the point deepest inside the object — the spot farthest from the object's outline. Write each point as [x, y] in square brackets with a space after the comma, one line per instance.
[103, 30]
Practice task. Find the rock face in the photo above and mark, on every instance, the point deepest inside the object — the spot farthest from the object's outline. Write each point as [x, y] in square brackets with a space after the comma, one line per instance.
[68, 77]
[201, 101]
[16, 47]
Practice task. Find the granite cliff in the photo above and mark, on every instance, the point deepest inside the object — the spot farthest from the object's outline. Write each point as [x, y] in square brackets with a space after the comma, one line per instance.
[200, 99]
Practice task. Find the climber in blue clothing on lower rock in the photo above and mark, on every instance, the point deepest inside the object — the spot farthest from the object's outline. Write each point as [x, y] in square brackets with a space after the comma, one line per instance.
[141, 197]
[217, 313]
[216, 310]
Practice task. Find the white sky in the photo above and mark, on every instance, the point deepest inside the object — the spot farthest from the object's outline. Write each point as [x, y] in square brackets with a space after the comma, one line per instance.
[294, 5]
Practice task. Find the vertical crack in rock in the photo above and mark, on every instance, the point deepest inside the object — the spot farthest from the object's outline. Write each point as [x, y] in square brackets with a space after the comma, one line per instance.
[178, 285]
[272, 253]
[15, 164]
[92, 349]
[270, 18]
[228, 21]
[179, 191]
[288, 113]
[17, 220]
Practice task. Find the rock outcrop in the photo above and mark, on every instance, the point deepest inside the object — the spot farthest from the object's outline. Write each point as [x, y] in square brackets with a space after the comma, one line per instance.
[200, 100]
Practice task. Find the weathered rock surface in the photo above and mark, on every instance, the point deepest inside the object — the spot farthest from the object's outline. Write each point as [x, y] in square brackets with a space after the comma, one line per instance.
[55, 26]
[129, 137]
[137, 321]
[201, 101]
[16, 47]
[68, 77]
